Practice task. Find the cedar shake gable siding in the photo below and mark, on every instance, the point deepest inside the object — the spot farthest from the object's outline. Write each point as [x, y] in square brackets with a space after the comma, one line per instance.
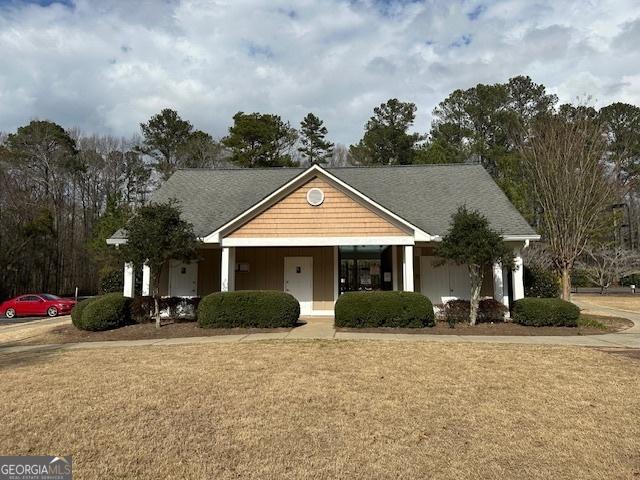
[339, 215]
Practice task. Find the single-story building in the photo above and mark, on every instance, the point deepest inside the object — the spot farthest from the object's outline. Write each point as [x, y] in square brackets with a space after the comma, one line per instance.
[318, 232]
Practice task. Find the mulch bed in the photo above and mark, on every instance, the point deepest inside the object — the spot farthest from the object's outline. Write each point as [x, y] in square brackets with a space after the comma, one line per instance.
[612, 324]
[143, 331]
[148, 331]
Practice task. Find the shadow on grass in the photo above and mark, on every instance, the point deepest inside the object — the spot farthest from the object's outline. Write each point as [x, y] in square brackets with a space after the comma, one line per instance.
[28, 358]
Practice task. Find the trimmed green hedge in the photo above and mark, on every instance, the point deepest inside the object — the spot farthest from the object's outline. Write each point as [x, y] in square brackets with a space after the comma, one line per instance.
[545, 312]
[248, 309]
[384, 309]
[76, 312]
[105, 313]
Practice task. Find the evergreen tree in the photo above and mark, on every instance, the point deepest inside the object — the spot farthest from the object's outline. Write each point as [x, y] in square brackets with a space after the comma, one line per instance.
[386, 140]
[260, 140]
[483, 123]
[165, 134]
[155, 235]
[314, 146]
[472, 242]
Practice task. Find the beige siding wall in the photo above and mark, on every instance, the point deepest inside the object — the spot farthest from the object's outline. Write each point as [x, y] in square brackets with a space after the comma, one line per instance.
[338, 215]
[208, 273]
[266, 270]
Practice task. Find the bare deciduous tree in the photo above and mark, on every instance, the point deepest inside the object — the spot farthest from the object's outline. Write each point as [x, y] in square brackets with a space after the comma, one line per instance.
[605, 265]
[564, 159]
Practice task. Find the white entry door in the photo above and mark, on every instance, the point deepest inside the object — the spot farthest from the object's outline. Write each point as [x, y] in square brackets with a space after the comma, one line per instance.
[298, 281]
[443, 282]
[183, 279]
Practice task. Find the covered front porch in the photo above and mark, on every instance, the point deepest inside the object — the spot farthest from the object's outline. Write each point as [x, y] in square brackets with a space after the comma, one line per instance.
[317, 274]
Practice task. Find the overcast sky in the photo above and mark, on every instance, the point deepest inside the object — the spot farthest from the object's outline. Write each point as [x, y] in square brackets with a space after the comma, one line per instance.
[105, 66]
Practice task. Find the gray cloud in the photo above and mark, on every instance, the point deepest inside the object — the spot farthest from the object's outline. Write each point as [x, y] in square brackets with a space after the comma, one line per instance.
[105, 67]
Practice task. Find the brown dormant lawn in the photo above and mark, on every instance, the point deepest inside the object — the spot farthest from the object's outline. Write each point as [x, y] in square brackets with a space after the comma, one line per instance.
[317, 409]
[623, 302]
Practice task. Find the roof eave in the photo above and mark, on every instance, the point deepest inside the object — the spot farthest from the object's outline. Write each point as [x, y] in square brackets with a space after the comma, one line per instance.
[217, 235]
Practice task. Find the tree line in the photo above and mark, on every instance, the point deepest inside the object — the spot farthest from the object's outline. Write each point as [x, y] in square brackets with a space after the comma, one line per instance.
[63, 192]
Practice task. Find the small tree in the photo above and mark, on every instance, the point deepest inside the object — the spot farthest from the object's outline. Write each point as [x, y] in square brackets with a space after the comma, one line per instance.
[312, 137]
[606, 264]
[155, 235]
[470, 241]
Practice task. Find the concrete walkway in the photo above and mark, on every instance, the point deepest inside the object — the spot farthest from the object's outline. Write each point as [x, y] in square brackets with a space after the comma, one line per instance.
[322, 329]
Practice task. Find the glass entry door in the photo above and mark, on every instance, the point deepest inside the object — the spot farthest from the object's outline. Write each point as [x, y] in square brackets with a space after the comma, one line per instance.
[360, 275]
[363, 269]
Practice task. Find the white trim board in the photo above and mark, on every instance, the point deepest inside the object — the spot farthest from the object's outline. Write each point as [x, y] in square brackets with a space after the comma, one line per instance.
[312, 171]
[116, 241]
[315, 241]
[434, 238]
[517, 238]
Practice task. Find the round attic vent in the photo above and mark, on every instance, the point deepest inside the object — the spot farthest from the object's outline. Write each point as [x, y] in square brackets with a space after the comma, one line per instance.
[315, 197]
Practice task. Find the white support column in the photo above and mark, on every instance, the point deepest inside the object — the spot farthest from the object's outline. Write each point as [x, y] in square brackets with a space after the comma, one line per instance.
[394, 266]
[407, 268]
[336, 274]
[146, 280]
[500, 289]
[129, 280]
[228, 269]
[517, 278]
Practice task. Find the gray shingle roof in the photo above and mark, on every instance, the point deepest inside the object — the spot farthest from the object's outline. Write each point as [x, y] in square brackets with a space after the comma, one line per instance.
[424, 195]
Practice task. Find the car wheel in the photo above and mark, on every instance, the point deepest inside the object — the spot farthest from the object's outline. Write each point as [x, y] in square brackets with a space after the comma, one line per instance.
[52, 312]
[10, 313]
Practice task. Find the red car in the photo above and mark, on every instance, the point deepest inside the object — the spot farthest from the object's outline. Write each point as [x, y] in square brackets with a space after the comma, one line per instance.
[36, 305]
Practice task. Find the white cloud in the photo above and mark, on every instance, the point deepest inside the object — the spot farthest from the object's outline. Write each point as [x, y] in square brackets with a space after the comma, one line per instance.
[106, 66]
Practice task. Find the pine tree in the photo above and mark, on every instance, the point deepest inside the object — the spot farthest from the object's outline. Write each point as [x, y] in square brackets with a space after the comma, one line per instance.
[314, 145]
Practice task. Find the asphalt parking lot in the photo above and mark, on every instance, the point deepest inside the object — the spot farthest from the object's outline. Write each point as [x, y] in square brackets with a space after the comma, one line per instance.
[12, 321]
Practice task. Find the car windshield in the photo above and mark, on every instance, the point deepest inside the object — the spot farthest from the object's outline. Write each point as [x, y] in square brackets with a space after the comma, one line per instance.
[48, 296]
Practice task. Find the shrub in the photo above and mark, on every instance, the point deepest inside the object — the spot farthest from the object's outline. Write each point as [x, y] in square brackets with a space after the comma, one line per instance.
[106, 313]
[489, 310]
[142, 308]
[541, 282]
[633, 279]
[543, 312]
[457, 311]
[111, 281]
[258, 309]
[384, 309]
[76, 313]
